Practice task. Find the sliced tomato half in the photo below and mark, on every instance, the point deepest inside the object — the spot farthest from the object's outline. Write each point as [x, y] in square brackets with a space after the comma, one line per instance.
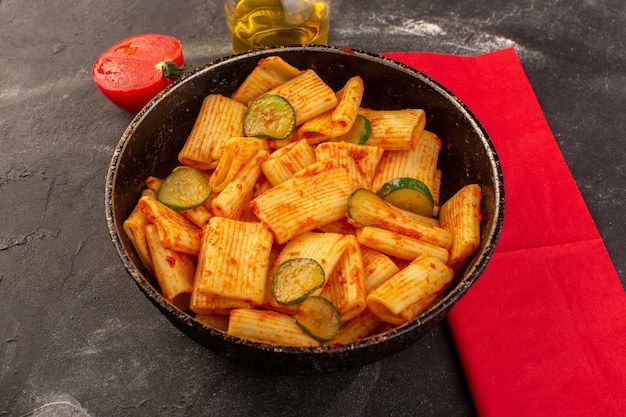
[134, 70]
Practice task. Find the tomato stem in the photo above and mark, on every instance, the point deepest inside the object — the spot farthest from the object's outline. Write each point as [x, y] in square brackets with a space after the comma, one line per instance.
[172, 70]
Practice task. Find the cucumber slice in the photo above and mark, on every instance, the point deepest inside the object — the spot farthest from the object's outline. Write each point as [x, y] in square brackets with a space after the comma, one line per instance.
[269, 116]
[295, 279]
[319, 318]
[366, 208]
[185, 188]
[359, 133]
[408, 194]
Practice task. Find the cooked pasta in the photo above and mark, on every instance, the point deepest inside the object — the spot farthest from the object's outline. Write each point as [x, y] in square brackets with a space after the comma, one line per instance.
[411, 291]
[174, 271]
[313, 197]
[395, 130]
[345, 287]
[359, 161]
[234, 260]
[220, 118]
[277, 202]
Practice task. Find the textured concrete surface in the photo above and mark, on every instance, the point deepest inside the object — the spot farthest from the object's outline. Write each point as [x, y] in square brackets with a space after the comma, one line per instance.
[77, 338]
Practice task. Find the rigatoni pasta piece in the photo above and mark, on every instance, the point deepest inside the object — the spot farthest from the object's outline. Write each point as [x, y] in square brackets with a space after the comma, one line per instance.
[135, 228]
[174, 271]
[345, 287]
[176, 232]
[461, 216]
[394, 130]
[214, 304]
[367, 208]
[270, 72]
[350, 97]
[286, 161]
[340, 226]
[398, 245]
[339, 120]
[436, 192]
[198, 215]
[216, 321]
[233, 201]
[411, 291]
[313, 197]
[153, 183]
[378, 267]
[359, 161]
[325, 248]
[236, 152]
[427, 150]
[309, 95]
[419, 162]
[267, 326]
[358, 328]
[234, 261]
[220, 118]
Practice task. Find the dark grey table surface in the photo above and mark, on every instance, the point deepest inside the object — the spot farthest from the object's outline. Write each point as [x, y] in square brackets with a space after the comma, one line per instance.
[78, 338]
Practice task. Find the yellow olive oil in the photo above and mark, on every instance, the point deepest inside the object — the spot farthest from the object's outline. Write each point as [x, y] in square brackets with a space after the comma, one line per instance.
[258, 23]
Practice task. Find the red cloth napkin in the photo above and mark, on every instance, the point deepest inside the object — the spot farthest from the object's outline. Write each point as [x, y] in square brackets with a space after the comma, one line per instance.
[543, 331]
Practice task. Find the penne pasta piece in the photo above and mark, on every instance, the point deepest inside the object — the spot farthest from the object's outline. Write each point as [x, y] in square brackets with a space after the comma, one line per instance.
[234, 261]
[236, 152]
[411, 291]
[176, 232]
[461, 216]
[269, 73]
[309, 95]
[234, 200]
[394, 130]
[313, 197]
[220, 118]
[339, 120]
[135, 228]
[268, 327]
[398, 245]
[359, 161]
[378, 267]
[286, 161]
[174, 271]
[358, 328]
[345, 287]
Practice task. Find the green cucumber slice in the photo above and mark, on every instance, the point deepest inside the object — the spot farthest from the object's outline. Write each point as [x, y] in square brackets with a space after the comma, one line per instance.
[359, 133]
[319, 318]
[269, 116]
[295, 279]
[185, 188]
[366, 208]
[408, 194]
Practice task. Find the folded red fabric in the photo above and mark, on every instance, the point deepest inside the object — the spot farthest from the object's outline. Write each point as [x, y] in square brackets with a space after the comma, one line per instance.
[543, 331]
